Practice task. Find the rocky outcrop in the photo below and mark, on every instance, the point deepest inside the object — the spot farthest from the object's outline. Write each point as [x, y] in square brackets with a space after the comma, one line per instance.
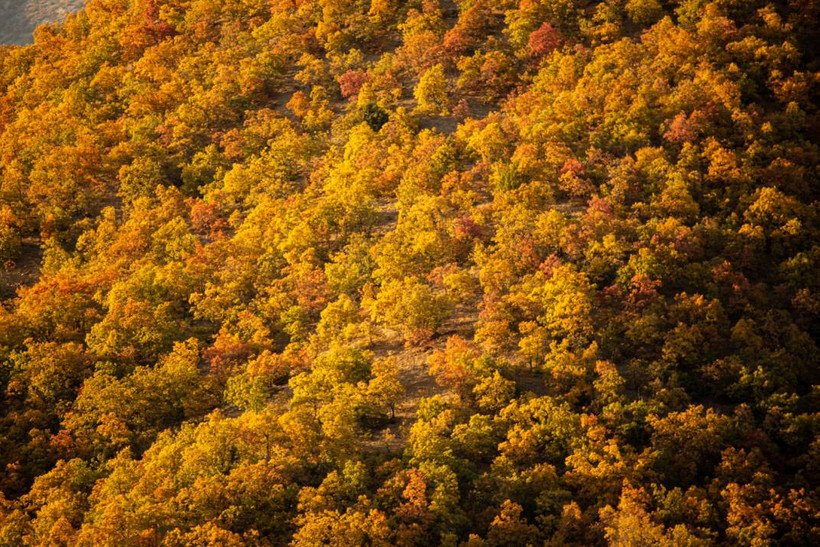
[20, 17]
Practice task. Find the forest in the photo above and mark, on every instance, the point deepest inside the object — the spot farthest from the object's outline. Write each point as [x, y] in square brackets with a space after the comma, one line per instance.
[428, 272]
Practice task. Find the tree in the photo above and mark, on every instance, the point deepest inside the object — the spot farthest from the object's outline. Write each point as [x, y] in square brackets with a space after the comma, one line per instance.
[431, 92]
[351, 82]
[703, 432]
[60, 498]
[632, 525]
[53, 373]
[385, 386]
[412, 306]
[544, 40]
[113, 413]
[509, 528]
[644, 12]
[566, 300]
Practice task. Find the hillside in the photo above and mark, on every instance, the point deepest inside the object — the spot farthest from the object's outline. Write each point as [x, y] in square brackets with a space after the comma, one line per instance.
[462, 273]
[21, 17]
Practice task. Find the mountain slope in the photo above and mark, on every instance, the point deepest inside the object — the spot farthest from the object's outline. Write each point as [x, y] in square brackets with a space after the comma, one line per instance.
[333, 272]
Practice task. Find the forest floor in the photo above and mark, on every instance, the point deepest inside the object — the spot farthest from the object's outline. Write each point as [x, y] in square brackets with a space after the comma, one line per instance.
[22, 272]
[414, 374]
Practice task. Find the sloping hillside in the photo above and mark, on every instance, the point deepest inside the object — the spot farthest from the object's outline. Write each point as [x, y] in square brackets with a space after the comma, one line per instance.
[19, 18]
[426, 272]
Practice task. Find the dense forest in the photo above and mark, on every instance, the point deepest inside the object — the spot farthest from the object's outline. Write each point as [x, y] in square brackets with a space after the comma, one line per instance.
[429, 272]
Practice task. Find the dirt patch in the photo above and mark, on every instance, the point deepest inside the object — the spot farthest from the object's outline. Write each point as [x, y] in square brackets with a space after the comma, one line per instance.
[22, 272]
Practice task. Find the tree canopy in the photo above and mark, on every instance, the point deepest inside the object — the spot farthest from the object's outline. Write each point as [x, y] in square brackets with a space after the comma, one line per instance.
[471, 272]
